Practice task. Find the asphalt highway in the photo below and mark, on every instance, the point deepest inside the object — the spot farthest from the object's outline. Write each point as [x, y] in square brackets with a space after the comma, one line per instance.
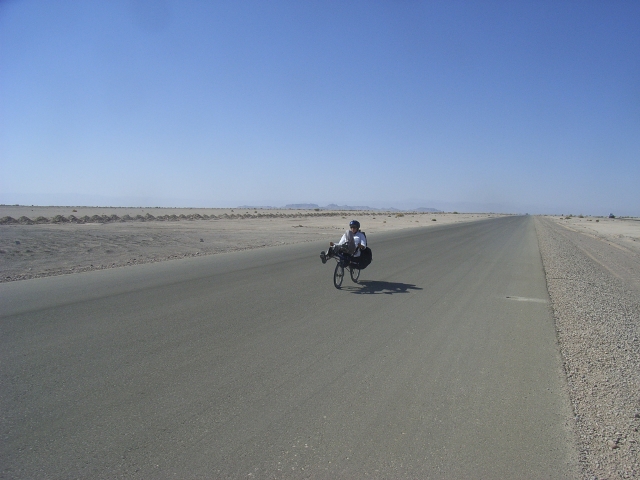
[441, 363]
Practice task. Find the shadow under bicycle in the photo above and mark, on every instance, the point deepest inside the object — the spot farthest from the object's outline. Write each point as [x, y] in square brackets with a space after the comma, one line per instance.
[372, 287]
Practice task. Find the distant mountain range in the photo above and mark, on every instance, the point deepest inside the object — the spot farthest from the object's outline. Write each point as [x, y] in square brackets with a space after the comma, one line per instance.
[427, 209]
[333, 206]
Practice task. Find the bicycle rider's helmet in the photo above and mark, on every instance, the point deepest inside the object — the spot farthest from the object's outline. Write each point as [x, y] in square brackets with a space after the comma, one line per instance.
[354, 223]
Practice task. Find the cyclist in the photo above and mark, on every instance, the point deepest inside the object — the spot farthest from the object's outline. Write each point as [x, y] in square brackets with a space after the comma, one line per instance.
[353, 241]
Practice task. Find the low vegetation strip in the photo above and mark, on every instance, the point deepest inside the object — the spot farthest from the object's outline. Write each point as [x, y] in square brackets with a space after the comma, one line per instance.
[597, 317]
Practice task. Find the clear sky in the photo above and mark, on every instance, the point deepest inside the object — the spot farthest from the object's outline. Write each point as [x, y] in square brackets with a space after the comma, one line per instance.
[506, 106]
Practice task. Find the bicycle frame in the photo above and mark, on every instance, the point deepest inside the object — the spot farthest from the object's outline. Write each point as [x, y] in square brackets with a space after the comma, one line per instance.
[343, 260]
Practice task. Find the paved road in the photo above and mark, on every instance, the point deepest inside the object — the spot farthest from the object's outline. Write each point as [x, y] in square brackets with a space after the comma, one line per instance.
[441, 363]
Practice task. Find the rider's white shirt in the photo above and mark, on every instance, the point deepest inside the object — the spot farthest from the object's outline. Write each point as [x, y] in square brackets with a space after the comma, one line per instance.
[358, 238]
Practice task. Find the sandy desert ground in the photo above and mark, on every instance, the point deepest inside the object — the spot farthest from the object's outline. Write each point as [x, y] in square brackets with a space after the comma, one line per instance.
[622, 231]
[45, 241]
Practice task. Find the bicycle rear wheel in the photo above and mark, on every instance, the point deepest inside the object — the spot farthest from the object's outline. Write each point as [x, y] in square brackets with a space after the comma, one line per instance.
[338, 275]
[355, 274]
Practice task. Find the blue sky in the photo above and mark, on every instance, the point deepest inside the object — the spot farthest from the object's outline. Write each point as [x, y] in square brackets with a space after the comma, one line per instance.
[504, 106]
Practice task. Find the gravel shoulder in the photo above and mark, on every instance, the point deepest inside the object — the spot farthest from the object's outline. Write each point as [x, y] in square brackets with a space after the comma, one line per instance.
[594, 285]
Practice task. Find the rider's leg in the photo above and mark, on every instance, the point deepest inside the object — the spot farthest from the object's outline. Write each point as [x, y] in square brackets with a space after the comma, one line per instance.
[330, 253]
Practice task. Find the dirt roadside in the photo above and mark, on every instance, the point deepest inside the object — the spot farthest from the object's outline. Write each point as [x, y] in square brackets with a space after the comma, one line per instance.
[594, 284]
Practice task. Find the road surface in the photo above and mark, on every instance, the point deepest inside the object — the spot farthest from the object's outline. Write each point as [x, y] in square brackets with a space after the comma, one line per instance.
[441, 363]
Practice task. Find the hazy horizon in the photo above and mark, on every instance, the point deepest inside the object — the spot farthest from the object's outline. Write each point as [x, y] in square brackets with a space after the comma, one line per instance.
[458, 208]
[462, 207]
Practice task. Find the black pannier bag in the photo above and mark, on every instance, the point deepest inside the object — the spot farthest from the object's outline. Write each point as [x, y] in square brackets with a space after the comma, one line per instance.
[365, 258]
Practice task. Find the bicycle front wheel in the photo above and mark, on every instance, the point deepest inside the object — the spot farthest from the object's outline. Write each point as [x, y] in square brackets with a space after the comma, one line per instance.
[338, 275]
[355, 274]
